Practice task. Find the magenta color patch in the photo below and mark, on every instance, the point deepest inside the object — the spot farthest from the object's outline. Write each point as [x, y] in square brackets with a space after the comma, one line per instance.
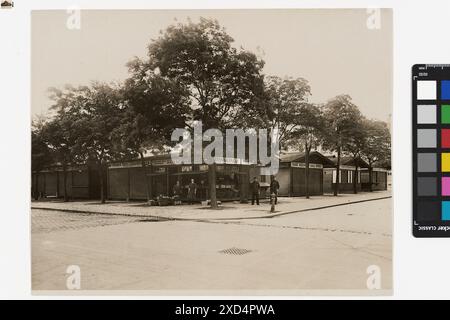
[446, 186]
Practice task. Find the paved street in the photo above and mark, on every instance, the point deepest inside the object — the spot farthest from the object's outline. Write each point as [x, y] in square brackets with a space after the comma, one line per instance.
[322, 249]
[227, 211]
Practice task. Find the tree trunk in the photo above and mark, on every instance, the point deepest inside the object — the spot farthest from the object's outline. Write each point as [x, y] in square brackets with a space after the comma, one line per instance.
[36, 190]
[147, 178]
[338, 166]
[66, 197]
[307, 150]
[355, 179]
[102, 185]
[212, 185]
[57, 185]
[128, 185]
[370, 177]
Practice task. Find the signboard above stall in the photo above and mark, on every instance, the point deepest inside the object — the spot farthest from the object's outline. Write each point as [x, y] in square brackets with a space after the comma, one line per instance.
[303, 165]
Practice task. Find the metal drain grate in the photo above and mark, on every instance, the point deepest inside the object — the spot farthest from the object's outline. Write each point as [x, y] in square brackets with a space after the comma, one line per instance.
[235, 251]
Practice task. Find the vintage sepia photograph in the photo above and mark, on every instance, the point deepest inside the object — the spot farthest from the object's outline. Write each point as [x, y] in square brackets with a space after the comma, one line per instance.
[211, 152]
[6, 4]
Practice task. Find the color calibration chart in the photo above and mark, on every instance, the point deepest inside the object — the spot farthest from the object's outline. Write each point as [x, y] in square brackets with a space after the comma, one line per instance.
[431, 150]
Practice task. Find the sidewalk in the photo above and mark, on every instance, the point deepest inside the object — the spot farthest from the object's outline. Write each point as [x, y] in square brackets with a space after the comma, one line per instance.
[227, 211]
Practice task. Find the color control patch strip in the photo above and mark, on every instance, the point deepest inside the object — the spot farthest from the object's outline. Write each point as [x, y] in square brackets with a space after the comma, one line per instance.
[431, 150]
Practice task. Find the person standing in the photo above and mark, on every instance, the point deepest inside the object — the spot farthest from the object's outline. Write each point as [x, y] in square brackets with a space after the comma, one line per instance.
[192, 191]
[254, 187]
[202, 190]
[274, 186]
[177, 192]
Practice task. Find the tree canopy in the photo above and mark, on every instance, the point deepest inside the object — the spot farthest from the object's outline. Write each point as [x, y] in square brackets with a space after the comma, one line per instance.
[220, 80]
[192, 72]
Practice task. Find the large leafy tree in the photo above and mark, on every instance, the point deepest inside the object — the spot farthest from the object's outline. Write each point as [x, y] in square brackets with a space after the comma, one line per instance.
[100, 116]
[154, 107]
[93, 113]
[354, 145]
[341, 116]
[40, 153]
[286, 105]
[61, 133]
[307, 133]
[377, 148]
[221, 81]
[60, 141]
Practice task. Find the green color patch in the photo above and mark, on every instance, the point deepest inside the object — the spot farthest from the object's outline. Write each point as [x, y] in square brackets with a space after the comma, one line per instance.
[445, 114]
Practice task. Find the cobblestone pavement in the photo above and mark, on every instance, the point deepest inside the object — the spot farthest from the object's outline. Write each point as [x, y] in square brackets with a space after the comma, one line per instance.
[228, 211]
[44, 221]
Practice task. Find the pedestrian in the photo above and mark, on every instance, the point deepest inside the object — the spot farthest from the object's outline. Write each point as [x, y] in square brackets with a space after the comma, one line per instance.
[274, 186]
[202, 190]
[192, 191]
[177, 190]
[254, 187]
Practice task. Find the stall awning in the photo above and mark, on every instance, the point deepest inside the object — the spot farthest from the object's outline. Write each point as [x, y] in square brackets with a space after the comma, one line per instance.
[156, 174]
[188, 173]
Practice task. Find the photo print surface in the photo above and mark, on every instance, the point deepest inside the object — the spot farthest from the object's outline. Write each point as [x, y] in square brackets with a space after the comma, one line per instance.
[214, 151]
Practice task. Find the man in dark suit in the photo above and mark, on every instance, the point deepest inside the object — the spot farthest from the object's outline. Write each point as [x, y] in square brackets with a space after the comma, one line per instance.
[177, 189]
[192, 192]
[274, 186]
[254, 188]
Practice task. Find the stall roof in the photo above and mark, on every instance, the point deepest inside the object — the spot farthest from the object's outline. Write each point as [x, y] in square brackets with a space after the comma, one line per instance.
[314, 157]
[348, 161]
[164, 159]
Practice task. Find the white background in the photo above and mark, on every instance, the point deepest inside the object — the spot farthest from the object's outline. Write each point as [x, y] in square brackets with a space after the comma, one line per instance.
[421, 35]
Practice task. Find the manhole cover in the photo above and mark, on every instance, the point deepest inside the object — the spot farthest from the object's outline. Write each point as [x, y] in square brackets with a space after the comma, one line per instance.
[235, 251]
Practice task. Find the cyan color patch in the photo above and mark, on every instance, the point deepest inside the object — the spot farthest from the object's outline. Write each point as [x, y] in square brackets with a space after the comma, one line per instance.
[445, 89]
[446, 210]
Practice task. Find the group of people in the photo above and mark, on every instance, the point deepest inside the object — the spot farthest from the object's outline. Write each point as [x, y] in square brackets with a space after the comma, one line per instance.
[192, 189]
[255, 187]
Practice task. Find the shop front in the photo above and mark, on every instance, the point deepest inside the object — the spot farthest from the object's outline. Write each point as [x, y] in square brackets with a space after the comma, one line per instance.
[348, 174]
[292, 174]
[131, 181]
[379, 179]
[82, 182]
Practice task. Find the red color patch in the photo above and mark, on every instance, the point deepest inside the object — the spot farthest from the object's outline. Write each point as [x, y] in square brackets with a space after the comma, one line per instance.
[445, 138]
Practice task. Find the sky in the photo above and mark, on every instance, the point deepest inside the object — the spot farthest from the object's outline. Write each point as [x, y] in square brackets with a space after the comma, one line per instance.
[333, 49]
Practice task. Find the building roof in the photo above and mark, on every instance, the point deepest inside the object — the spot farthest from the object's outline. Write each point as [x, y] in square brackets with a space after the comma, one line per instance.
[349, 161]
[314, 157]
[383, 164]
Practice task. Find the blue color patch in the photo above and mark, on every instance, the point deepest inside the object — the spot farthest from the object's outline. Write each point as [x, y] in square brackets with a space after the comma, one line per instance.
[445, 210]
[445, 89]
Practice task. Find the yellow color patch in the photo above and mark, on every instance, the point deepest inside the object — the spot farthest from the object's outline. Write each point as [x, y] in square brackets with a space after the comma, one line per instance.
[445, 162]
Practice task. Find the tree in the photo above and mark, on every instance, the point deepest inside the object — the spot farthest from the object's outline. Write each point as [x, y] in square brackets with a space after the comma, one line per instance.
[62, 132]
[58, 139]
[221, 82]
[307, 133]
[101, 116]
[40, 154]
[287, 101]
[340, 116]
[94, 113]
[378, 145]
[154, 106]
[354, 146]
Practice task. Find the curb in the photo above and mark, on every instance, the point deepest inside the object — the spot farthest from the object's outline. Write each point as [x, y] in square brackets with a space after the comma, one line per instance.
[160, 218]
[105, 213]
[291, 212]
[331, 206]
